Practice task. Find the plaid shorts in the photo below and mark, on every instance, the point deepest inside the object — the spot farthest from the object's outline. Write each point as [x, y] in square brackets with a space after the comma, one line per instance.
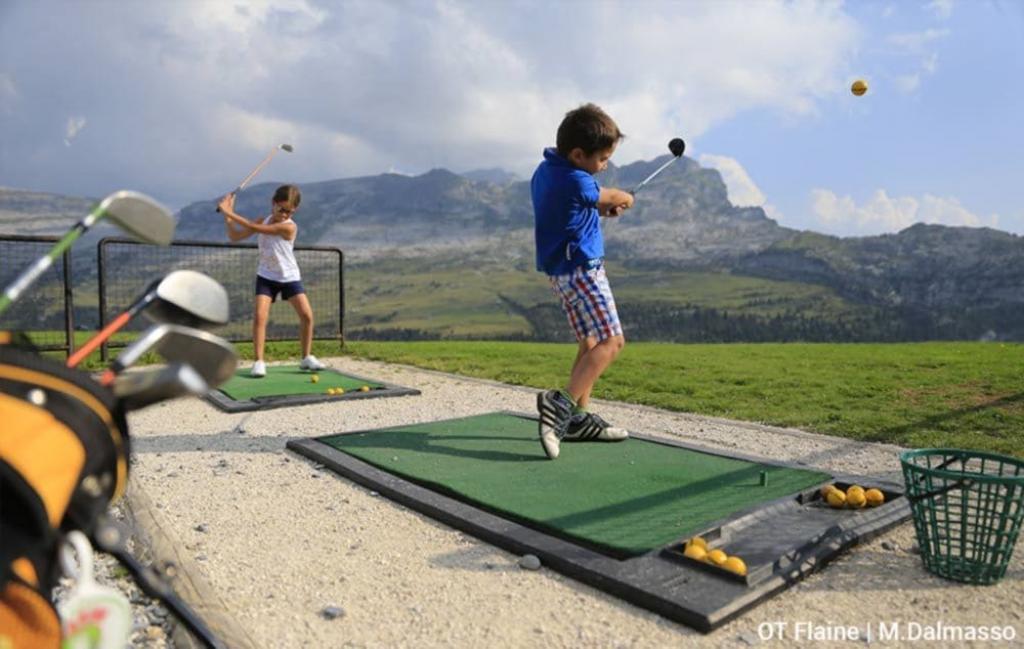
[588, 303]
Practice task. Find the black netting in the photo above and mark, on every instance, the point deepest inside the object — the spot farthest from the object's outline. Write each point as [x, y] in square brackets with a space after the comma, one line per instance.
[40, 311]
[127, 268]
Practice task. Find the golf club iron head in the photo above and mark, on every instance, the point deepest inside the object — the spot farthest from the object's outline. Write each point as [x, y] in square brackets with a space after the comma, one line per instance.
[140, 216]
[212, 357]
[151, 385]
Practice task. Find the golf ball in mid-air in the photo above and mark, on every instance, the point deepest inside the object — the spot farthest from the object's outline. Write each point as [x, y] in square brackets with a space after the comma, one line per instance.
[859, 87]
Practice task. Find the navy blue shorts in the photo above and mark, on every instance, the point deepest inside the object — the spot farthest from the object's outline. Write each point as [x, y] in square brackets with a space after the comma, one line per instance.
[271, 289]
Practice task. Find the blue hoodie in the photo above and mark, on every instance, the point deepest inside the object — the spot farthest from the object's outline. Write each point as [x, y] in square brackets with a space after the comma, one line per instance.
[567, 225]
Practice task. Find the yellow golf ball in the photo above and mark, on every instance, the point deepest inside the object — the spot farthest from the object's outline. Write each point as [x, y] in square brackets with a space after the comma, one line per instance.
[699, 542]
[339, 390]
[314, 378]
[365, 388]
[695, 552]
[856, 499]
[717, 557]
[736, 565]
[836, 498]
[874, 497]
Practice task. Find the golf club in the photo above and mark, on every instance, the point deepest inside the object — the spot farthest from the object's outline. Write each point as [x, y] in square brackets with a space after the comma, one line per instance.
[135, 213]
[184, 297]
[151, 385]
[212, 357]
[245, 181]
[676, 146]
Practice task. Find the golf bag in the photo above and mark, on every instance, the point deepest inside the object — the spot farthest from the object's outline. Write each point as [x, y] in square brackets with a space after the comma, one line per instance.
[63, 460]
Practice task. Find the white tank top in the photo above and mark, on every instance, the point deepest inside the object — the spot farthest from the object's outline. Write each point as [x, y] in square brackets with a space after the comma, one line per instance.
[277, 257]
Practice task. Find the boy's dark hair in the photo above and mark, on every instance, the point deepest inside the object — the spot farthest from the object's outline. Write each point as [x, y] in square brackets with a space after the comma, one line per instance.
[588, 128]
[288, 194]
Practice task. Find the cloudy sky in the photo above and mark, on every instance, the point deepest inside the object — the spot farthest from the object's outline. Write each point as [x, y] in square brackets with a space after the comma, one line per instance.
[180, 99]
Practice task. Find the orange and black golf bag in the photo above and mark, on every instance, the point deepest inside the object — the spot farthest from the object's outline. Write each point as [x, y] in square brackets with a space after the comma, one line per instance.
[63, 460]
[64, 450]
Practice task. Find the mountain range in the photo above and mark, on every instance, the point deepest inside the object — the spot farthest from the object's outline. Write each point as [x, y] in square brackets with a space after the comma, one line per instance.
[925, 282]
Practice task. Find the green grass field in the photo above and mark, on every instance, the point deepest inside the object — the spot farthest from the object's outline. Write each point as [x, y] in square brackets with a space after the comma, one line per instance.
[964, 395]
[957, 394]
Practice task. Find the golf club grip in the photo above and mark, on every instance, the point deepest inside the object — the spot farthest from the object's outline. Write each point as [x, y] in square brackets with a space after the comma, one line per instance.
[97, 340]
[233, 193]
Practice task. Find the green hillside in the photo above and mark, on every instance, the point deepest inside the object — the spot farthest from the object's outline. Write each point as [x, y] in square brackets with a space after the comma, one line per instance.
[421, 299]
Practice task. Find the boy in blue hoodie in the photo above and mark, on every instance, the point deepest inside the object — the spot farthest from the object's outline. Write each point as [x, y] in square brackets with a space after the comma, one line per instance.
[568, 204]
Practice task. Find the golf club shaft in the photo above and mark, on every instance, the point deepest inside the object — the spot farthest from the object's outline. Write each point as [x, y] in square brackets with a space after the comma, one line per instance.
[33, 272]
[259, 167]
[651, 177]
[255, 171]
[97, 340]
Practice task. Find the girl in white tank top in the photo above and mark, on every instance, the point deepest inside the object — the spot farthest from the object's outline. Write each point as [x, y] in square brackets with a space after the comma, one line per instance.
[277, 273]
[277, 258]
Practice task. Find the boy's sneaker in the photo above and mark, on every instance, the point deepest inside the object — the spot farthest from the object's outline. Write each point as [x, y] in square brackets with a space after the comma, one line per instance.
[555, 413]
[588, 427]
[259, 370]
[311, 363]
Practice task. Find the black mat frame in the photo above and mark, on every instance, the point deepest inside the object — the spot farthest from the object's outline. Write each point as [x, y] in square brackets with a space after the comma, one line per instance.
[227, 404]
[658, 580]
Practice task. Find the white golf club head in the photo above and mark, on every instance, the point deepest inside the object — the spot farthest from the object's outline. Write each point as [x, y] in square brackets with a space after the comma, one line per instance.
[190, 298]
[140, 216]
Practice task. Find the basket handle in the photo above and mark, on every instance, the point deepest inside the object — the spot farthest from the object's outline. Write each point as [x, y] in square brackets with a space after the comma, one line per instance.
[938, 492]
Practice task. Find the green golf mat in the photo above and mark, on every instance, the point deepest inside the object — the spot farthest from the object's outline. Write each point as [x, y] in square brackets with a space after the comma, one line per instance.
[284, 380]
[624, 499]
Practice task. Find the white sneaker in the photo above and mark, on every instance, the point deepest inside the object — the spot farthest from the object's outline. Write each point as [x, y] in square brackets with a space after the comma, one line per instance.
[311, 363]
[588, 427]
[259, 370]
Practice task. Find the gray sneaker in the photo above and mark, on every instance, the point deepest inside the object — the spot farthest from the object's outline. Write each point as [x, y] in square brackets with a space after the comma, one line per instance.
[588, 427]
[555, 414]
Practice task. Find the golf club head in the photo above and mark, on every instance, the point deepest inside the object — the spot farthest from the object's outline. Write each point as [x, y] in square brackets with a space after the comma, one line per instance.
[189, 298]
[287, 147]
[677, 146]
[212, 357]
[151, 385]
[140, 216]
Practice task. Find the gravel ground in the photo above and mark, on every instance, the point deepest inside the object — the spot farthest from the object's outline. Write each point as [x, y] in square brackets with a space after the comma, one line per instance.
[152, 626]
[281, 553]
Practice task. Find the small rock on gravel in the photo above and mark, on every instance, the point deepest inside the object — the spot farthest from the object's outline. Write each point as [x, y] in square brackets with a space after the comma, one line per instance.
[332, 612]
[529, 562]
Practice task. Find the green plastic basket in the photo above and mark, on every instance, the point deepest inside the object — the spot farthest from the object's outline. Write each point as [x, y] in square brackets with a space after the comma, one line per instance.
[967, 508]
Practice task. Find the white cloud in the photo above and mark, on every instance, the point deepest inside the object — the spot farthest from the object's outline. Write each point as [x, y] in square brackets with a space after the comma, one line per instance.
[882, 213]
[365, 85]
[942, 9]
[920, 48]
[917, 42]
[907, 83]
[72, 129]
[742, 190]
